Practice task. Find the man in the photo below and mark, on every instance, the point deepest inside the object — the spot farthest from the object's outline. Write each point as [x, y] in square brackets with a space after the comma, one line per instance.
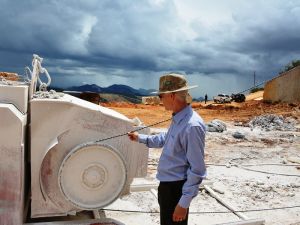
[181, 166]
[205, 98]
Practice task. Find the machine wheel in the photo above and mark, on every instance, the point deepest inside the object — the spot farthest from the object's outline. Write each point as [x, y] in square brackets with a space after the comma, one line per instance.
[92, 176]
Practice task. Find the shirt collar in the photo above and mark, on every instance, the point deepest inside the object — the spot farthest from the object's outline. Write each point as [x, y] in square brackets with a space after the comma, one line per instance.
[181, 114]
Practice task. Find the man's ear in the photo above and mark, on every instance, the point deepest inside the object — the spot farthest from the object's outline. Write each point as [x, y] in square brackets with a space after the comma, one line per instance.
[173, 95]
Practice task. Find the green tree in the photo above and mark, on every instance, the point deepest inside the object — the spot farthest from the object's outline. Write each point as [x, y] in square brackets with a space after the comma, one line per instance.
[256, 89]
[291, 65]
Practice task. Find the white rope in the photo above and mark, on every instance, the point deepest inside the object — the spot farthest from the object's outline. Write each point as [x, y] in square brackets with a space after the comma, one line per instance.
[28, 71]
[43, 71]
[37, 69]
[5, 81]
[43, 87]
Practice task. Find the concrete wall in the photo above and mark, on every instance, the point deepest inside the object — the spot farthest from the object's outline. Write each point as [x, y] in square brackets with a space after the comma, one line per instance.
[284, 88]
[151, 100]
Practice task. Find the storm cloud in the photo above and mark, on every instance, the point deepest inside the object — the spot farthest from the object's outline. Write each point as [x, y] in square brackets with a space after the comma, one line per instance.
[217, 44]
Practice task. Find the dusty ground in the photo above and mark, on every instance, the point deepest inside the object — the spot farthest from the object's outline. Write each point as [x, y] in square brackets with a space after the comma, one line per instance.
[231, 112]
[252, 173]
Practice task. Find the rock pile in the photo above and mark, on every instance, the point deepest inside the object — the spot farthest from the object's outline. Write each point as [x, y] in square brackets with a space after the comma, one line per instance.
[5, 82]
[9, 76]
[216, 126]
[238, 135]
[48, 94]
[269, 122]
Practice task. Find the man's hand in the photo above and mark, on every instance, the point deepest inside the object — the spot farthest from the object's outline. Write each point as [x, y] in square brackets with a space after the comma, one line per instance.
[133, 135]
[179, 214]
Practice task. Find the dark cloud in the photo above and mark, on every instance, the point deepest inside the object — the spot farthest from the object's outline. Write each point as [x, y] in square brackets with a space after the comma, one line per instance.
[107, 42]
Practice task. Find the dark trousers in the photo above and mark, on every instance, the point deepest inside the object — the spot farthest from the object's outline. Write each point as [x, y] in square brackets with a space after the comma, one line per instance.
[169, 194]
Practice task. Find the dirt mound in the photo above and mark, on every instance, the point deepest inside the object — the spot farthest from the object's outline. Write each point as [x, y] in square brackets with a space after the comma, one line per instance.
[112, 98]
[197, 105]
[255, 96]
[128, 105]
[119, 104]
[221, 107]
[238, 112]
[9, 76]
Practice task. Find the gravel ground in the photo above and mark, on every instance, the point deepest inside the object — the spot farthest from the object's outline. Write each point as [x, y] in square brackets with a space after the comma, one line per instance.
[250, 173]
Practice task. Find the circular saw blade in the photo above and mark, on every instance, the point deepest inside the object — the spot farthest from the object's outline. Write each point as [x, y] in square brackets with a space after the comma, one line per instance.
[92, 176]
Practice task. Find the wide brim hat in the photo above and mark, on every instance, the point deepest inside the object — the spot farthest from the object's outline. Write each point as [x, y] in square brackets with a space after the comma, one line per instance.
[173, 82]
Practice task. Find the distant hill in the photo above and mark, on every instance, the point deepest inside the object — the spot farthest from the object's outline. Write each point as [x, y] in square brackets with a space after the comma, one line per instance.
[104, 97]
[114, 89]
[200, 99]
[54, 88]
[121, 89]
[86, 87]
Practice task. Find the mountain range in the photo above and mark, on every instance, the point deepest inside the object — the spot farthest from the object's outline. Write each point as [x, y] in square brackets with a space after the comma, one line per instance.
[114, 89]
[133, 95]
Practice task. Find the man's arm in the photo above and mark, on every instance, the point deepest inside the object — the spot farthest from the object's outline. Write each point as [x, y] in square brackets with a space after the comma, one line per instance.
[195, 143]
[152, 141]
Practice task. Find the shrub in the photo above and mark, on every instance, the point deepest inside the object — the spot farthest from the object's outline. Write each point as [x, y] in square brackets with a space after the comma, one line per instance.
[256, 89]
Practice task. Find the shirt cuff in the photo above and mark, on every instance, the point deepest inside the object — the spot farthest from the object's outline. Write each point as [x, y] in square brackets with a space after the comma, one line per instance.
[185, 201]
[143, 138]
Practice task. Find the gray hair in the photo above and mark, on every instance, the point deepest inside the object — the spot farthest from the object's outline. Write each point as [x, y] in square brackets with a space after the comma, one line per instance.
[184, 96]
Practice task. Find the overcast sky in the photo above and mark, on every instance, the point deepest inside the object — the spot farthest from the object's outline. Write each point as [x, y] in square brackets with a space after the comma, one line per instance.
[217, 44]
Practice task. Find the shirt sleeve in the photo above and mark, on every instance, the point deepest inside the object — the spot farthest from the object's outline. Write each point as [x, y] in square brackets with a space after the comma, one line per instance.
[153, 141]
[194, 141]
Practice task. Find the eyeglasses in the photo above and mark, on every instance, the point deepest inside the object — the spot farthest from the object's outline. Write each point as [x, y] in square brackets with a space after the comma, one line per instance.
[162, 95]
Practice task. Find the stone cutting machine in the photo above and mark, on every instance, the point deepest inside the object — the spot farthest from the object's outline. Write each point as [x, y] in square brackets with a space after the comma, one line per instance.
[58, 155]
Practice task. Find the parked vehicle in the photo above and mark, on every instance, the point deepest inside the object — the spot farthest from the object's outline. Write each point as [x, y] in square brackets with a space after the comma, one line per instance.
[222, 98]
[238, 97]
[60, 155]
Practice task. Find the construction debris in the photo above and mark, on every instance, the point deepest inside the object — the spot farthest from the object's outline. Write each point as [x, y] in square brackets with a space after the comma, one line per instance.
[238, 135]
[269, 122]
[294, 159]
[9, 76]
[216, 126]
[151, 100]
[48, 94]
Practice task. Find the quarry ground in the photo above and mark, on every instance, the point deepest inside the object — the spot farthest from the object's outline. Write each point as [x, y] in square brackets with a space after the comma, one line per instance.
[229, 112]
[258, 172]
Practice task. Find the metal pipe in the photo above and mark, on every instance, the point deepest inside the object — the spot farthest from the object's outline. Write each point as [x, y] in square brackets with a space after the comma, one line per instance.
[216, 196]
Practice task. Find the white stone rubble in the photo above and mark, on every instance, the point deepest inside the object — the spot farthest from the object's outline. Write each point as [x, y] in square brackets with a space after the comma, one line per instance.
[48, 94]
[270, 122]
[216, 126]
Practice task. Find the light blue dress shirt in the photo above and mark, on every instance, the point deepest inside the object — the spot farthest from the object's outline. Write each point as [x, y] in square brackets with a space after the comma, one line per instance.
[183, 152]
